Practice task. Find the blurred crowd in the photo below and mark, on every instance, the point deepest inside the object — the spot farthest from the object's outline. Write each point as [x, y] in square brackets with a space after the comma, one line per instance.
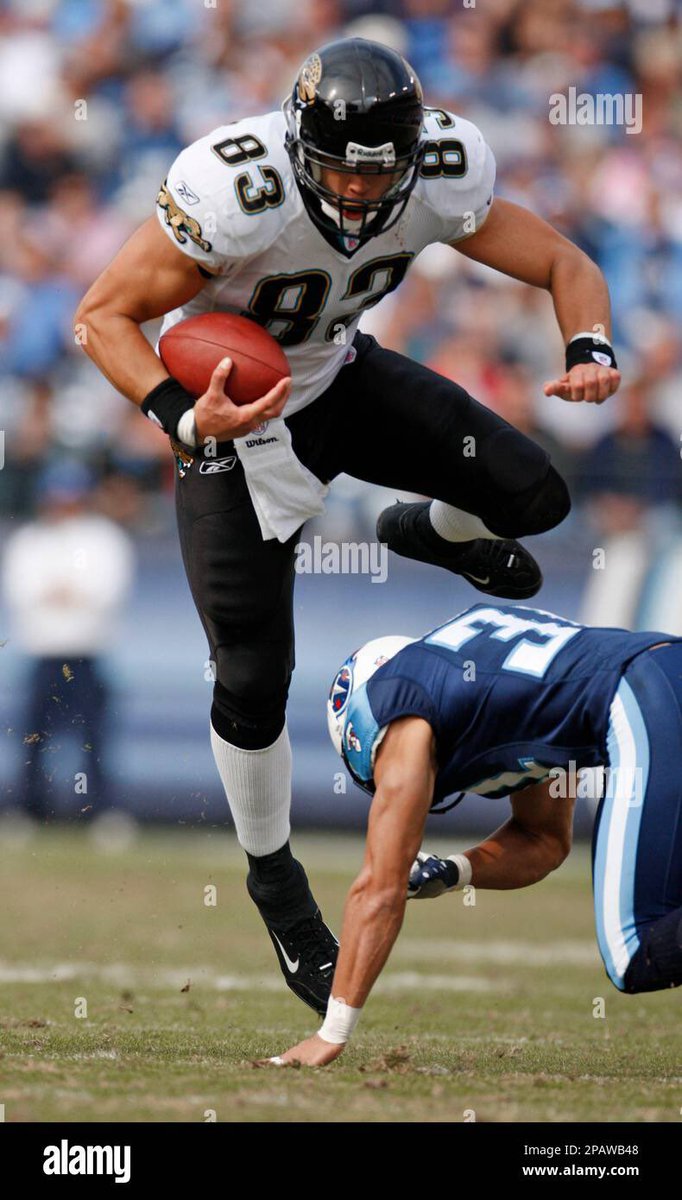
[98, 96]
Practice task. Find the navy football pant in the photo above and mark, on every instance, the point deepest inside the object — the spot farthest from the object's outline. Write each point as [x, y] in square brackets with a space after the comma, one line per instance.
[637, 847]
[386, 420]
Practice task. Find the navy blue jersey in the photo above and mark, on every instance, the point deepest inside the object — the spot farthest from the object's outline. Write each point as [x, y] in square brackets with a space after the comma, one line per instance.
[510, 692]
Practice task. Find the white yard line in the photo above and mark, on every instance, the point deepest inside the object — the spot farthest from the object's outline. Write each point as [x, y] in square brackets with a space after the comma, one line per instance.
[449, 954]
[127, 975]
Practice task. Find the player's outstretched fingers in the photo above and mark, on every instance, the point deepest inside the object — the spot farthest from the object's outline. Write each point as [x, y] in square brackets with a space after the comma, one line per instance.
[276, 398]
[269, 406]
[275, 1061]
[219, 377]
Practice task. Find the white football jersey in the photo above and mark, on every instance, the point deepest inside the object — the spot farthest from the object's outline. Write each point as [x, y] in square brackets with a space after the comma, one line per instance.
[232, 204]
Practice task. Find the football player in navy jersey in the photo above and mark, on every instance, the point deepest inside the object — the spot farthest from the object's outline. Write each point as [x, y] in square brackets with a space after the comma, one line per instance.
[301, 219]
[498, 702]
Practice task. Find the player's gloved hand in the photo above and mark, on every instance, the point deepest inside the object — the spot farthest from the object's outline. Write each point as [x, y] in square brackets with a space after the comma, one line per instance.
[431, 876]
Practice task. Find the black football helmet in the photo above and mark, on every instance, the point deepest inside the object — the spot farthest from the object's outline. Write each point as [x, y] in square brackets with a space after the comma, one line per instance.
[356, 108]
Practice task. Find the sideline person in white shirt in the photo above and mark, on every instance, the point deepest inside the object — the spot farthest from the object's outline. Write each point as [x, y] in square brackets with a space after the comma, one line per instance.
[65, 576]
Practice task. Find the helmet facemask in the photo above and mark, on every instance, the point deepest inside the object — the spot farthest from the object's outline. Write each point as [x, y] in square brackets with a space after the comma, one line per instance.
[356, 109]
[330, 212]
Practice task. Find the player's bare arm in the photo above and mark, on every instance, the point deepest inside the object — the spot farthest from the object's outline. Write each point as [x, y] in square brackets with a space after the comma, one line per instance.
[533, 842]
[520, 244]
[147, 278]
[405, 772]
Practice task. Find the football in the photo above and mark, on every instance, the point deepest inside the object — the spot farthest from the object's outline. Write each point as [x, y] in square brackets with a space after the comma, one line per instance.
[192, 349]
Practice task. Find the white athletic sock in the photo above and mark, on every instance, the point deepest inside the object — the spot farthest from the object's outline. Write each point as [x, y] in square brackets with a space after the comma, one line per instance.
[455, 525]
[258, 788]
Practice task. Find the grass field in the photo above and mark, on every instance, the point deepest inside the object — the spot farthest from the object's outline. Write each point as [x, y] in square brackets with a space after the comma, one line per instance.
[485, 1010]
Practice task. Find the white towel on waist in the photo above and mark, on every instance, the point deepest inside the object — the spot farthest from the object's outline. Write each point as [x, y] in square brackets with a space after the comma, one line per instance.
[284, 492]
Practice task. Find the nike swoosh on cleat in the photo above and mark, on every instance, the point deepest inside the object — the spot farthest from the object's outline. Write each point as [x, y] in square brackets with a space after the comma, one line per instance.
[292, 966]
[483, 582]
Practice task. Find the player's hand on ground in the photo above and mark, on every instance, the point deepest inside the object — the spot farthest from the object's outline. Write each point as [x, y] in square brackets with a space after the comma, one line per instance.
[313, 1052]
[585, 381]
[217, 416]
[431, 876]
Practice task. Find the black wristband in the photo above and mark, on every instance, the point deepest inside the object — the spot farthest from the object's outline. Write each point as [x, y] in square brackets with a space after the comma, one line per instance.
[166, 403]
[589, 350]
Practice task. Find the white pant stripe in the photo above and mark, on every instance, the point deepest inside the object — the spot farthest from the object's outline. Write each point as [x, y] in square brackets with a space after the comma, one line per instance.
[618, 835]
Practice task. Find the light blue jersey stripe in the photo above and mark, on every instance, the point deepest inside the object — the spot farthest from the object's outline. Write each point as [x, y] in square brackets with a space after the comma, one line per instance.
[616, 850]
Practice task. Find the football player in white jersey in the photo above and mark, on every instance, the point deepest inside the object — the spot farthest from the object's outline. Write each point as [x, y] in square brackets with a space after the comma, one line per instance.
[301, 219]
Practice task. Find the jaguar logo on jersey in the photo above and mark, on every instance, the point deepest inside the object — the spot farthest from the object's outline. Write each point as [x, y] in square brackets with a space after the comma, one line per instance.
[340, 690]
[183, 460]
[179, 221]
[309, 77]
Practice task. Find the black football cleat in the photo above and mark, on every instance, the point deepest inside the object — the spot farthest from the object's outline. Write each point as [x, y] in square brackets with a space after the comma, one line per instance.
[307, 953]
[498, 567]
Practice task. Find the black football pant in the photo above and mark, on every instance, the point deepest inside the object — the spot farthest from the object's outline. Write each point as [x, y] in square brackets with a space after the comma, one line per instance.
[387, 420]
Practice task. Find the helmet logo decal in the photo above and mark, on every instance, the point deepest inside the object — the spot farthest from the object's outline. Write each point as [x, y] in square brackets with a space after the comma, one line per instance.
[352, 739]
[309, 77]
[340, 691]
[355, 153]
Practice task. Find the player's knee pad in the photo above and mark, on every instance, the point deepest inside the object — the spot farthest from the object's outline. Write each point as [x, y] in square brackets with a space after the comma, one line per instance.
[541, 508]
[657, 964]
[246, 730]
[249, 711]
[528, 495]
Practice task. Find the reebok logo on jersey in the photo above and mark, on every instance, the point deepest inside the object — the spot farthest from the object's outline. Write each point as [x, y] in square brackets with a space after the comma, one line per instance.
[212, 466]
[185, 192]
[182, 225]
